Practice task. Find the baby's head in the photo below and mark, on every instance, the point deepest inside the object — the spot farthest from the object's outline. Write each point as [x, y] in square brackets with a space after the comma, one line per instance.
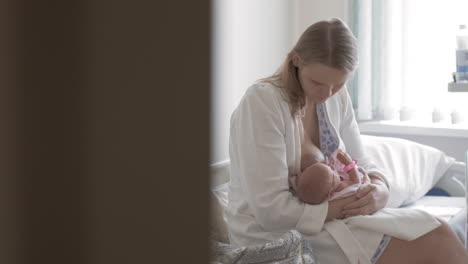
[316, 183]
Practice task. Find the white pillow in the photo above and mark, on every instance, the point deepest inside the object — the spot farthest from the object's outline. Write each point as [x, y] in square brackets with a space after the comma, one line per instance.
[411, 168]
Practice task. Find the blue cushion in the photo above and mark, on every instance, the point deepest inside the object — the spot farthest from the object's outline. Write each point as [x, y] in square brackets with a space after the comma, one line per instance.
[437, 192]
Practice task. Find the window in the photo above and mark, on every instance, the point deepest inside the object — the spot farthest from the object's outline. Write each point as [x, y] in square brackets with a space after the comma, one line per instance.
[407, 57]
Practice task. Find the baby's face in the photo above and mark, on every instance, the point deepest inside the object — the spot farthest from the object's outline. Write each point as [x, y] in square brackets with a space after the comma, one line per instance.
[334, 178]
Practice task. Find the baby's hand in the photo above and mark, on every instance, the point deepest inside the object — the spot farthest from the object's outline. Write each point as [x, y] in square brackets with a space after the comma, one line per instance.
[344, 157]
[354, 175]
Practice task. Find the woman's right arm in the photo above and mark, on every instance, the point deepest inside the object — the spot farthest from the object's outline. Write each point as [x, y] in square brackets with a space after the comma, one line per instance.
[258, 160]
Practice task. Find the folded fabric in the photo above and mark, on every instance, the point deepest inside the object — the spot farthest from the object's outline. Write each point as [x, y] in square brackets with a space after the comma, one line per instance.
[289, 248]
[402, 223]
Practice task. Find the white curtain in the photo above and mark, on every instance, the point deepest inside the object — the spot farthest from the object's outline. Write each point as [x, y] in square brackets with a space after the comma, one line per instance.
[406, 59]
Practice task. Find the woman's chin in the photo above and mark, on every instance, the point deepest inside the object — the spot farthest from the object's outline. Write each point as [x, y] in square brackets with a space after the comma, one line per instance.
[316, 100]
[320, 101]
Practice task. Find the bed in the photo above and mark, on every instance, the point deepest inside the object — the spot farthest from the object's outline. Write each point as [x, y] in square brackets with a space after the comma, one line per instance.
[421, 177]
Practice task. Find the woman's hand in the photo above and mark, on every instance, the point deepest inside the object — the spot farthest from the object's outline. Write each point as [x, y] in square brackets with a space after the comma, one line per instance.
[371, 197]
[335, 207]
[365, 177]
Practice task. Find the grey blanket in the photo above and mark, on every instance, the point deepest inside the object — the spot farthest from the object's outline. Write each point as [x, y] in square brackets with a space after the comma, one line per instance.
[291, 248]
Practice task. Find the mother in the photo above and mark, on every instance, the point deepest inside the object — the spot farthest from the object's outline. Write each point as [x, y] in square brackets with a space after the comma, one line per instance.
[305, 104]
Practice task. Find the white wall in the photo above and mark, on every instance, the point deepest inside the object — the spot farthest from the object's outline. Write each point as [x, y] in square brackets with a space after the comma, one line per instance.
[308, 12]
[250, 40]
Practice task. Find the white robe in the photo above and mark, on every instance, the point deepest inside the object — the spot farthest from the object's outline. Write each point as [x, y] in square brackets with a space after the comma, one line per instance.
[265, 147]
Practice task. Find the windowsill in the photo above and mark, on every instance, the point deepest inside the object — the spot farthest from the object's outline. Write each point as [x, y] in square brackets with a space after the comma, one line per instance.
[414, 128]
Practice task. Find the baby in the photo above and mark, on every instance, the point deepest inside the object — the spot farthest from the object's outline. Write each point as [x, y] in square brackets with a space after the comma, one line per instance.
[321, 177]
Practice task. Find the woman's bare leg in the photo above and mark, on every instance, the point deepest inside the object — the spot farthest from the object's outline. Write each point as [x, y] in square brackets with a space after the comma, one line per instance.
[438, 246]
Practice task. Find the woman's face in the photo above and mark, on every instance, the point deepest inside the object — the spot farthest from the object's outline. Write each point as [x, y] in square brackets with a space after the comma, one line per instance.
[320, 82]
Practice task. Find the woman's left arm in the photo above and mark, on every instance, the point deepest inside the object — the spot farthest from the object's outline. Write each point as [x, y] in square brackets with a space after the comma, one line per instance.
[374, 194]
[371, 197]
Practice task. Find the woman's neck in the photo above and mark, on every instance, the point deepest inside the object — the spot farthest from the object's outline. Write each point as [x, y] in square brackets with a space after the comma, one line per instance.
[309, 119]
[309, 107]
[309, 102]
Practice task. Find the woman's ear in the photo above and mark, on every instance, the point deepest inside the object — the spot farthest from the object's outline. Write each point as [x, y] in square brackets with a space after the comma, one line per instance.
[296, 60]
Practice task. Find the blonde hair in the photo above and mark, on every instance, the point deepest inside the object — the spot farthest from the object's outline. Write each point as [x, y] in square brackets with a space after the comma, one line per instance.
[327, 42]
